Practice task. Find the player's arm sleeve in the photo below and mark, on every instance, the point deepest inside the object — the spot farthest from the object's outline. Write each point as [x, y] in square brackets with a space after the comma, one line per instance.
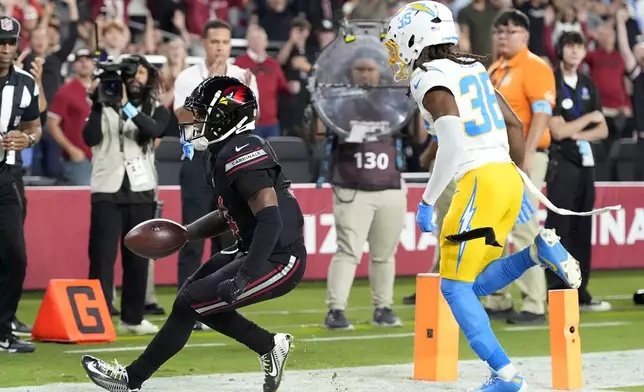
[451, 133]
[540, 88]
[449, 130]
[269, 219]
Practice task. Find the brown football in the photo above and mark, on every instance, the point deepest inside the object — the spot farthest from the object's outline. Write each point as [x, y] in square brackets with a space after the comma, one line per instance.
[156, 238]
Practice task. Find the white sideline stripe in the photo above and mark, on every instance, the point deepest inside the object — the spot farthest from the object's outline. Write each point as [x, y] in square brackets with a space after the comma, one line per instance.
[584, 325]
[362, 308]
[618, 296]
[339, 338]
[314, 340]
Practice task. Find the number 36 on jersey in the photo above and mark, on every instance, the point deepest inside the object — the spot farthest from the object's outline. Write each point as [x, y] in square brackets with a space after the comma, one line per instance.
[485, 114]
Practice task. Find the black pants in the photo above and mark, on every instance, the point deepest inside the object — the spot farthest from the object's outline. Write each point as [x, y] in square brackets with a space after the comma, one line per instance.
[198, 300]
[13, 255]
[110, 223]
[197, 199]
[572, 187]
[20, 186]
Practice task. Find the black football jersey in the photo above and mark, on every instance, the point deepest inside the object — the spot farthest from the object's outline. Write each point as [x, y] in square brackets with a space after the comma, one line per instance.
[244, 165]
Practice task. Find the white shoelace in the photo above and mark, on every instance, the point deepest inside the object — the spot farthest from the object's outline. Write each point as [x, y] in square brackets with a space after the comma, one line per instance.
[116, 371]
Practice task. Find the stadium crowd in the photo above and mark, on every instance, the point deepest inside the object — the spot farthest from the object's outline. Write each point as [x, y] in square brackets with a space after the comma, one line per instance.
[293, 32]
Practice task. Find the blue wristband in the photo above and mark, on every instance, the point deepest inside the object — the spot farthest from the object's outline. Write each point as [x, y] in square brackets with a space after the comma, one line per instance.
[129, 110]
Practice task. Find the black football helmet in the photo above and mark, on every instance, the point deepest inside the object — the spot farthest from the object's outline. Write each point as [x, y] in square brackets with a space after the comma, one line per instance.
[222, 106]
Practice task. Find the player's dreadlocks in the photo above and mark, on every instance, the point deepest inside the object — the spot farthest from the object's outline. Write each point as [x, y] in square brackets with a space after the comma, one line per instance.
[444, 51]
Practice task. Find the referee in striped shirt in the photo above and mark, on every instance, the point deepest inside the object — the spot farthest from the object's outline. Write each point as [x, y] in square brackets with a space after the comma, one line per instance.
[20, 128]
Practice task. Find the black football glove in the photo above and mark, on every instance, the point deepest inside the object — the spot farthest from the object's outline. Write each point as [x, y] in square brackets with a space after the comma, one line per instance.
[231, 289]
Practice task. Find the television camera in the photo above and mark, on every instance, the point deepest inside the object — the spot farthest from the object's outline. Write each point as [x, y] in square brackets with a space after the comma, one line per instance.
[113, 76]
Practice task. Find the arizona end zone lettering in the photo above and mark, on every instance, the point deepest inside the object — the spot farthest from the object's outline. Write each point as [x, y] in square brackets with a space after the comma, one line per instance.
[617, 237]
[607, 229]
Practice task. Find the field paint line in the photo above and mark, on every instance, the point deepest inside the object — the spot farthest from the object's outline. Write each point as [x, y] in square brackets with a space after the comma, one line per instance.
[321, 312]
[581, 325]
[616, 296]
[136, 348]
[312, 340]
[602, 372]
[343, 338]
[363, 308]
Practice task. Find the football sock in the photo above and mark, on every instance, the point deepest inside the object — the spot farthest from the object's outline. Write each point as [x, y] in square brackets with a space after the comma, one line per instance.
[507, 372]
[232, 324]
[501, 272]
[474, 322]
[166, 343]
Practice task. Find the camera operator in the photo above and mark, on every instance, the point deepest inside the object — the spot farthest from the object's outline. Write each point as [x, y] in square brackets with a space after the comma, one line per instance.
[125, 119]
[369, 201]
[19, 129]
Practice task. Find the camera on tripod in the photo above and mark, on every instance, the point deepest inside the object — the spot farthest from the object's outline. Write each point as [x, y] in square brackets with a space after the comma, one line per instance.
[113, 76]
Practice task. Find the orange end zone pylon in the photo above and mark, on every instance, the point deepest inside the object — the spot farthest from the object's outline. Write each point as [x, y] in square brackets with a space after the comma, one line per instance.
[74, 311]
[436, 333]
[565, 343]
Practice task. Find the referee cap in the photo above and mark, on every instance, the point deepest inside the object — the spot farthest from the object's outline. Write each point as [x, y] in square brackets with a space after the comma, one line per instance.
[9, 28]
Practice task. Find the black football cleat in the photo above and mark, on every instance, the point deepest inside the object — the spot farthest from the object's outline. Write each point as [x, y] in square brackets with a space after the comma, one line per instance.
[107, 376]
[12, 344]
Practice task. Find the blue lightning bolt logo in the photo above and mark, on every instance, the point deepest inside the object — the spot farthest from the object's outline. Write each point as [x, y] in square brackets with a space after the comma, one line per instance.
[466, 223]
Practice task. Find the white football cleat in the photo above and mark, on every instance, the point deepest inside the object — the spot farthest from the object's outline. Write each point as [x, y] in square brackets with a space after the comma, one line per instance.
[145, 328]
[274, 361]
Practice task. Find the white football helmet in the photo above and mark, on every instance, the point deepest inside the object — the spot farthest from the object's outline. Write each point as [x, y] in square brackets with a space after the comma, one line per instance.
[413, 27]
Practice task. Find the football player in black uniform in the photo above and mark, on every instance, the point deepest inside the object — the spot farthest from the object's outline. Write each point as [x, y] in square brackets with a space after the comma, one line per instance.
[255, 202]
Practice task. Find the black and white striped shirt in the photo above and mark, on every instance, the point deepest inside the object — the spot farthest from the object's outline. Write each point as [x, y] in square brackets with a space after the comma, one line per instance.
[18, 103]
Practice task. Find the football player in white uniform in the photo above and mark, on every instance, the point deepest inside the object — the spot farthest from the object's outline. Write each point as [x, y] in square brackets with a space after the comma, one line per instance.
[454, 92]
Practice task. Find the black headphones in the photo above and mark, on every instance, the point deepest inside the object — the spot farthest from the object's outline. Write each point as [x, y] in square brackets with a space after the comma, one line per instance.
[559, 46]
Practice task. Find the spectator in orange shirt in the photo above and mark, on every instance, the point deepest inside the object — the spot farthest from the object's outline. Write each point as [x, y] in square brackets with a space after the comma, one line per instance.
[528, 84]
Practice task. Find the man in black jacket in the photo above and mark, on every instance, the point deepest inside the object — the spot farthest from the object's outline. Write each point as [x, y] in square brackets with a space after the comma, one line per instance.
[576, 121]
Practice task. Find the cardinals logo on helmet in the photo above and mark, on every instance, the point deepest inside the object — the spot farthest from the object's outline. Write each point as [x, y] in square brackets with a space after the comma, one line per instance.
[234, 93]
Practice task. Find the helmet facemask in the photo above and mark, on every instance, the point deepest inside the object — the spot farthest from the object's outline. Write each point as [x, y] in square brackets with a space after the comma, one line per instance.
[210, 125]
[398, 66]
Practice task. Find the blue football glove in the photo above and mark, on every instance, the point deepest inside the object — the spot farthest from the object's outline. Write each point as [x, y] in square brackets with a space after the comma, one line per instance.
[231, 289]
[526, 209]
[188, 149]
[424, 217]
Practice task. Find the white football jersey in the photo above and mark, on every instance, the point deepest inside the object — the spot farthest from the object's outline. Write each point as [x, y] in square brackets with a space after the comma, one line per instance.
[486, 138]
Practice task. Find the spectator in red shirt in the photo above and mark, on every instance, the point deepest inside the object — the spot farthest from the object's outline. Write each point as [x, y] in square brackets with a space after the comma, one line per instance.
[270, 80]
[606, 68]
[67, 112]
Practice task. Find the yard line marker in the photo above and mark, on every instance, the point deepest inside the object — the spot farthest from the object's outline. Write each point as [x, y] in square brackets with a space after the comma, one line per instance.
[436, 333]
[565, 342]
